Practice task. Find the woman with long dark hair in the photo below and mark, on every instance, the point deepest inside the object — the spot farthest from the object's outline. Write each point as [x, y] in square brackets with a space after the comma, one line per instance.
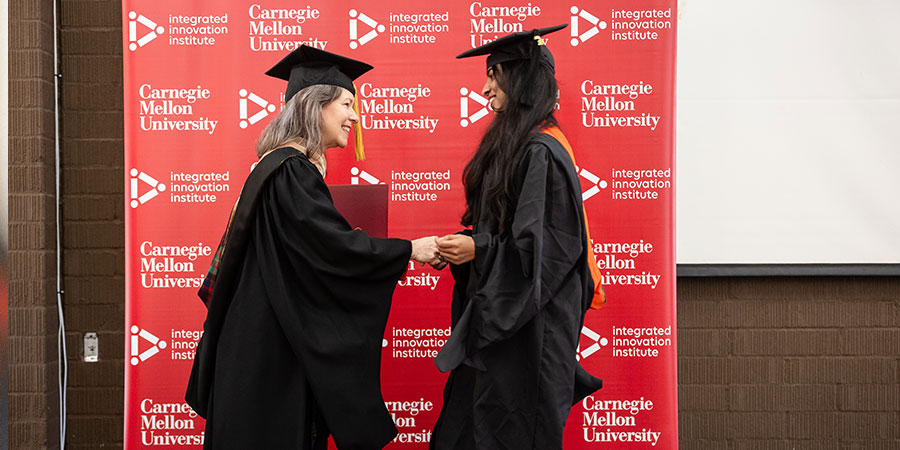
[522, 275]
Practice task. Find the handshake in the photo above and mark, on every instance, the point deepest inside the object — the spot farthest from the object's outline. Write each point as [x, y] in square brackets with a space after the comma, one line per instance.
[440, 251]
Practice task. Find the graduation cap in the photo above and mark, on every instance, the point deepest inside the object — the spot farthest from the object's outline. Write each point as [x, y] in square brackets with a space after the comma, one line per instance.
[521, 46]
[308, 66]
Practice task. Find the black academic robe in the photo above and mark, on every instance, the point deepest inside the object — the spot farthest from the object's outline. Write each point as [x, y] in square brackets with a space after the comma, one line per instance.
[296, 320]
[517, 313]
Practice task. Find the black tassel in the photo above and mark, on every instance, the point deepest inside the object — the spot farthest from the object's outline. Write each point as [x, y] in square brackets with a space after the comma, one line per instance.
[526, 90]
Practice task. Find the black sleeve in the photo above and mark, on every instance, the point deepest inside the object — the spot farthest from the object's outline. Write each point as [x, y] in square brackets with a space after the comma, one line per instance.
[330, 287]
[519, 271]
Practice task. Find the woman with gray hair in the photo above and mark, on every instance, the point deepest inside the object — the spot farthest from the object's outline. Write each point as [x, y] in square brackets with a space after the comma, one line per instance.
[297, 299]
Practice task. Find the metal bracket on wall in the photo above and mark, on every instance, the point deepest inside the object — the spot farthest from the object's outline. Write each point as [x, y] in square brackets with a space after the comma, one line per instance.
[91, 347]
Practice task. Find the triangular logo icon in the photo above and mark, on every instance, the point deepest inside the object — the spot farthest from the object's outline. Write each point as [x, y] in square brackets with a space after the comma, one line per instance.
[137, 198]
[265, 108]
[357, 174]
[468, 116]
[593, 183]
[146, 24]
[590, 343]
[594, 25]
[138, 335]
[356, 38]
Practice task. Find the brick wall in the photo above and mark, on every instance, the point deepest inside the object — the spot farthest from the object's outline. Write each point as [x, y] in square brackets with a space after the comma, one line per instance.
[93, 239]
[764, 363]
[93, 210]
[32, 288]
[789, 363]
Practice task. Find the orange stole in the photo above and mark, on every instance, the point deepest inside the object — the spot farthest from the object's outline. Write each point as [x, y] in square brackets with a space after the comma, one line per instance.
[599, 296]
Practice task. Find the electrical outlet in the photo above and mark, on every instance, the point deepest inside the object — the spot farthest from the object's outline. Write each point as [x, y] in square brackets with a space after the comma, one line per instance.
[91, 347]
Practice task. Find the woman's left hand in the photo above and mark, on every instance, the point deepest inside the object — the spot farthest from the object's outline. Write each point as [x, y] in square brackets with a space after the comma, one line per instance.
[456, 248]
[425, 251]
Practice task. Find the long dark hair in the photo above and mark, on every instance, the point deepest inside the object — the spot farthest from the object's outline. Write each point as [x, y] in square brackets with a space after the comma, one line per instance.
[489, 175]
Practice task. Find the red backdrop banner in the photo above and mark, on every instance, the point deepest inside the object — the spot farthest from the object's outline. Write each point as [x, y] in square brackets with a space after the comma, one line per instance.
[196, 99]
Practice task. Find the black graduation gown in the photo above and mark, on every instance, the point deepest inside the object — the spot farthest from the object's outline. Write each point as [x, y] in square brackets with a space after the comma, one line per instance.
[517, 313]
[296, 319]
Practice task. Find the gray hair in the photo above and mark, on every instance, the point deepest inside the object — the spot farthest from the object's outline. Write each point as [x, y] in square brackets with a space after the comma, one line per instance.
[300, 121]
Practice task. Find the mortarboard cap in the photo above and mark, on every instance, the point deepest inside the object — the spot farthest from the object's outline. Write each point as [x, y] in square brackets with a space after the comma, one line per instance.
[524, 45]
[308, 66]
[521, 46]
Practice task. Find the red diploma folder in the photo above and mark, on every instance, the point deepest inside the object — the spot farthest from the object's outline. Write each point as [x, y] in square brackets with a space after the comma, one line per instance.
[364, 206]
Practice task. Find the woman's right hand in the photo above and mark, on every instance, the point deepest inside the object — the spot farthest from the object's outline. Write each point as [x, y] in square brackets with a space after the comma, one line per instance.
[424, 250]
[456, 248]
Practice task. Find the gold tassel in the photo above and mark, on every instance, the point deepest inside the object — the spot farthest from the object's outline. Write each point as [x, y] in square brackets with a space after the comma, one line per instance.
[357, 131]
